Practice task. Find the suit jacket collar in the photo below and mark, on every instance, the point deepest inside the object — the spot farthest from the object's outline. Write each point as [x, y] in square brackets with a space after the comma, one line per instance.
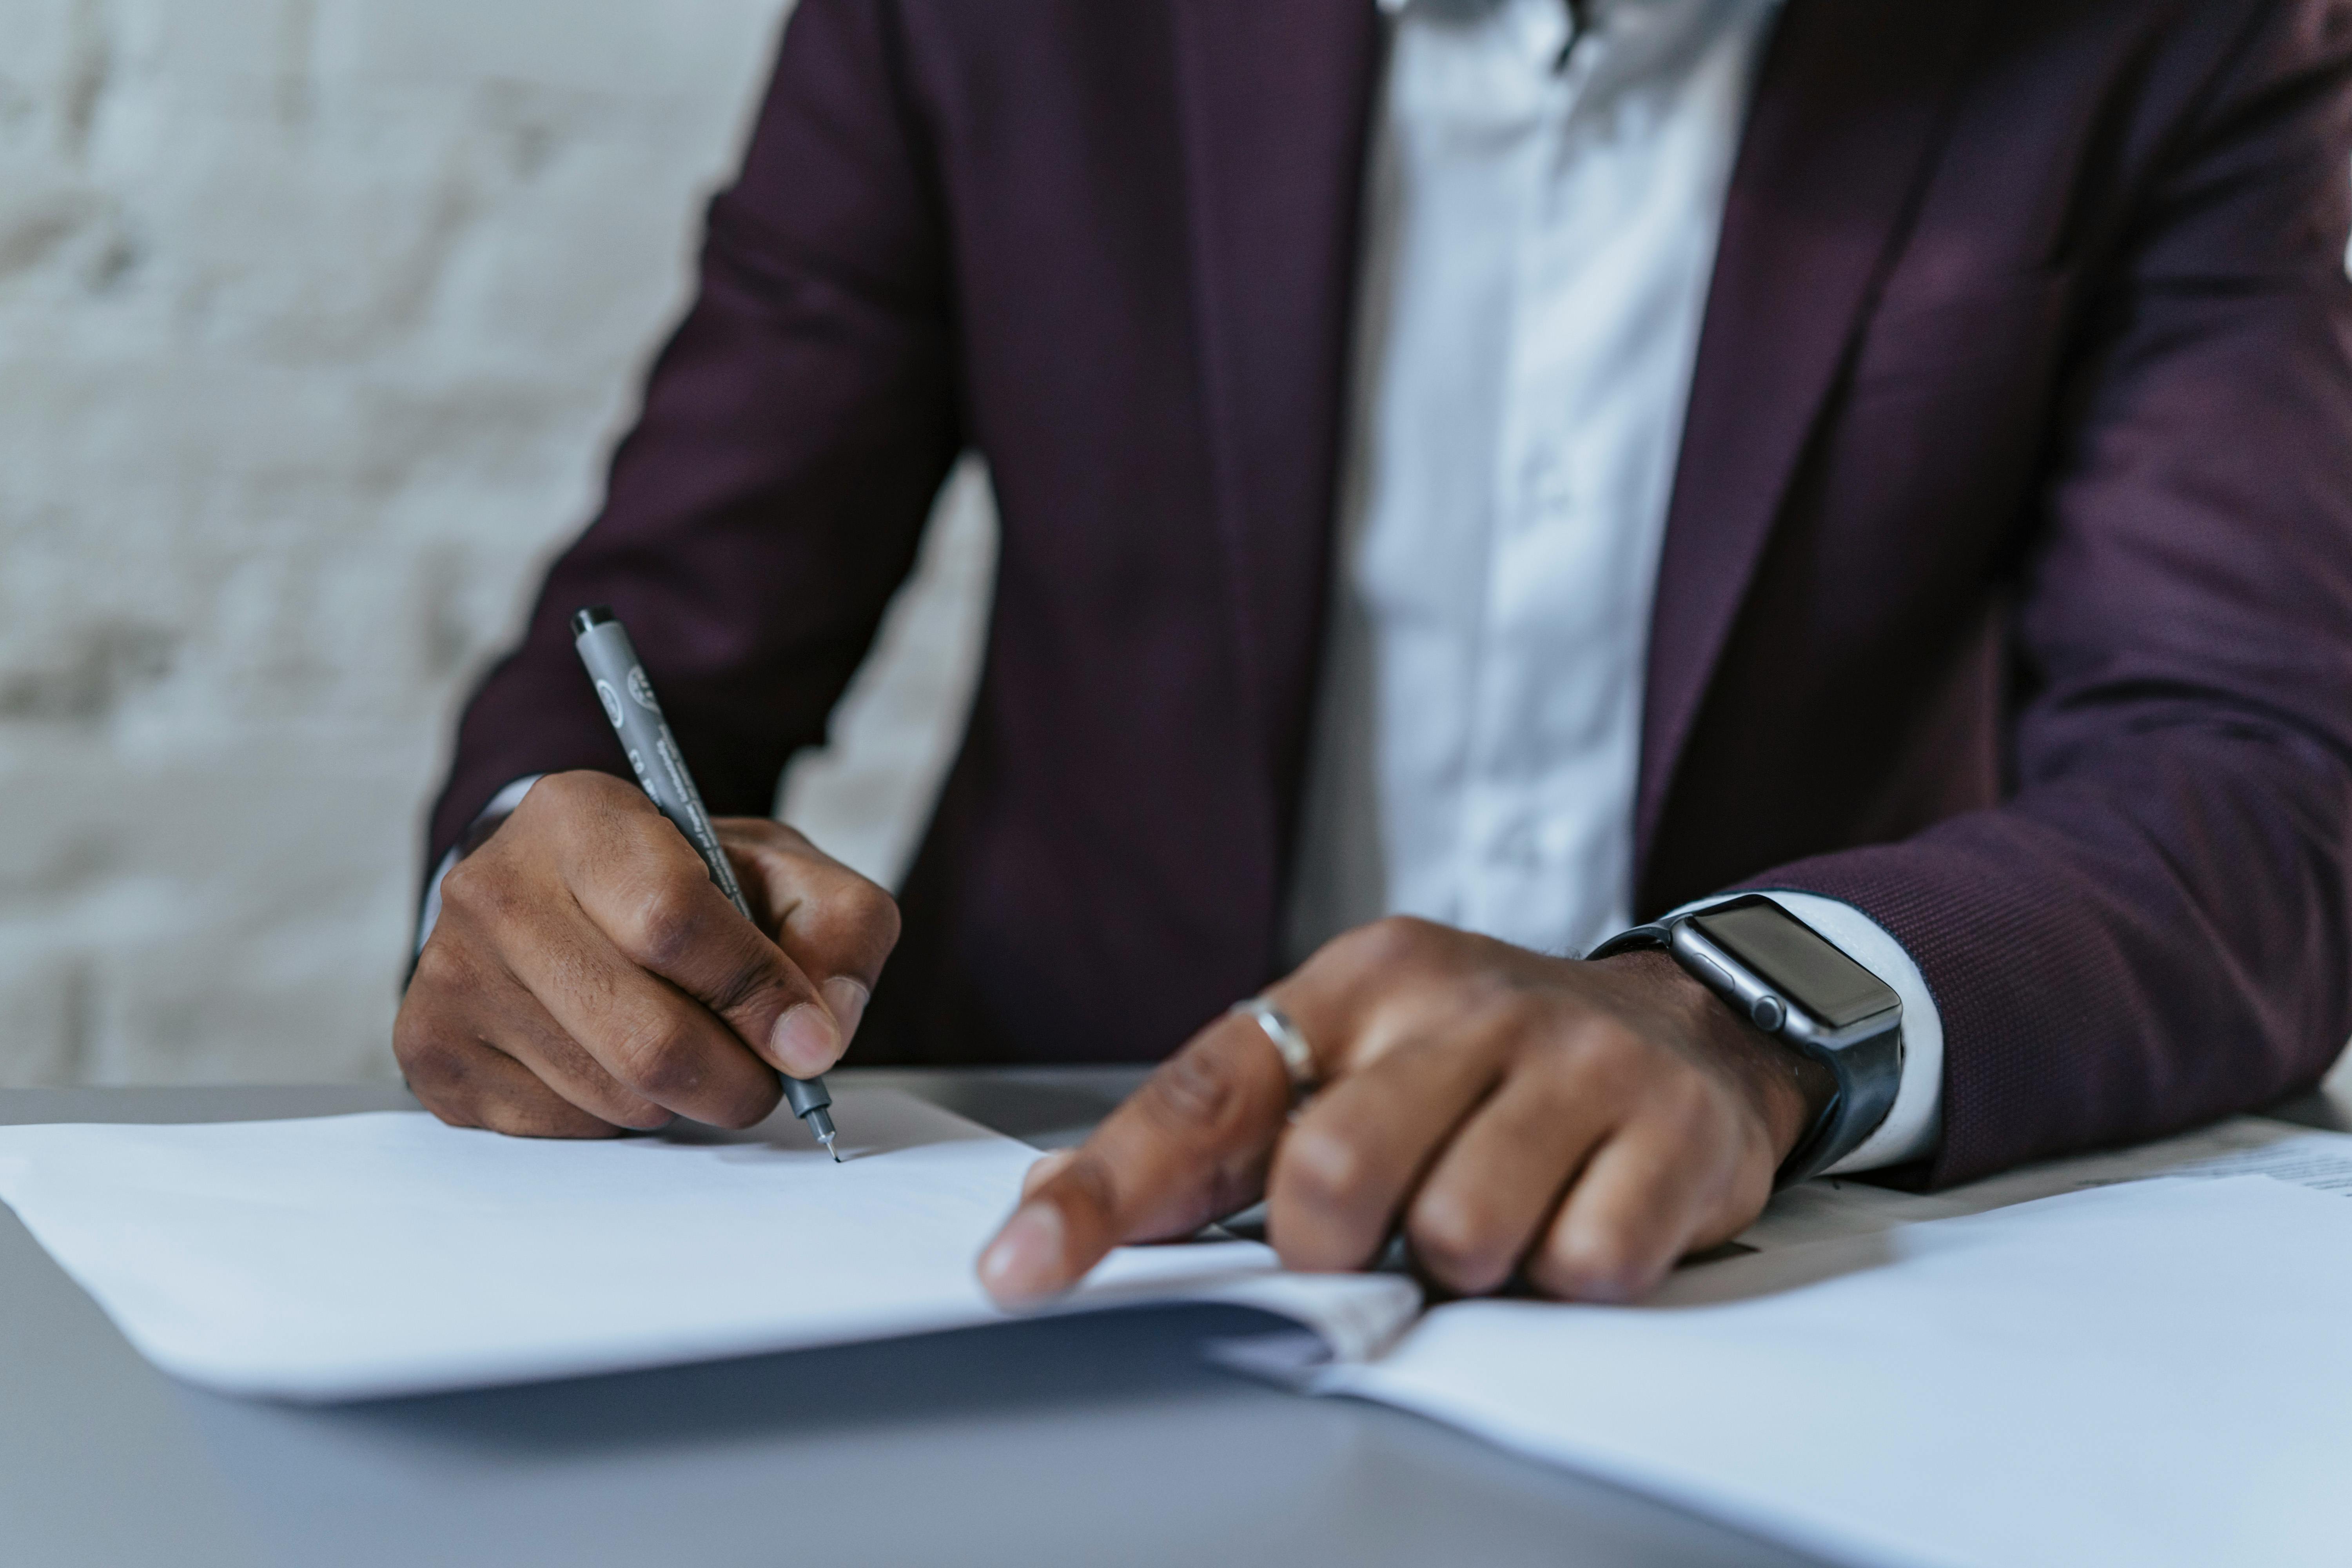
[1276, 98]
[1850, 109]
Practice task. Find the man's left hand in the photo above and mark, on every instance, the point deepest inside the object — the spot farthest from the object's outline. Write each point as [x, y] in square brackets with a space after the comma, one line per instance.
[1580, 1125]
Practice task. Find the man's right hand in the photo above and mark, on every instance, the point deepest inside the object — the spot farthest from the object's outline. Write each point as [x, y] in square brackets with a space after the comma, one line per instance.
[586, 975]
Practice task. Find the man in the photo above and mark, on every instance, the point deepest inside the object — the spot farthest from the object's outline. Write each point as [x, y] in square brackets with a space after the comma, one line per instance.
[1475, 473]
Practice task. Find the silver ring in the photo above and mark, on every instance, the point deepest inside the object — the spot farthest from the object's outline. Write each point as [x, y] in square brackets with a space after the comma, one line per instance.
[1298, 1057]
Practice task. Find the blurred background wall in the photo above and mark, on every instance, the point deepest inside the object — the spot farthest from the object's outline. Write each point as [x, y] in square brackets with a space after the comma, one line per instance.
[317, 318]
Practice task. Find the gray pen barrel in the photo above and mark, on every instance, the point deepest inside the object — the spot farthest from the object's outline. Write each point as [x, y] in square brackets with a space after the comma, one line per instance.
[630, 703]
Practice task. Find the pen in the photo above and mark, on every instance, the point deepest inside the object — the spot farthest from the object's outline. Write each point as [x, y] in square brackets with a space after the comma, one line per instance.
[629, 703]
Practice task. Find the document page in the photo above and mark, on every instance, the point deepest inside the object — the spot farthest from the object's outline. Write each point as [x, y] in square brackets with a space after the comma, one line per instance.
[2148, 1373]
[355, 1256]
[2242, 1146]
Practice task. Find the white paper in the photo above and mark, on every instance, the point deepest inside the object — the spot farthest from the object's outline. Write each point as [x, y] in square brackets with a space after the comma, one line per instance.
[2150, 1374]
[355, 1256]
[2242, 1146]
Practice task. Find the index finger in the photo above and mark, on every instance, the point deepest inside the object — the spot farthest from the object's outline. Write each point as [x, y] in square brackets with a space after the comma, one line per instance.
[836, 925]
[1192, 1144]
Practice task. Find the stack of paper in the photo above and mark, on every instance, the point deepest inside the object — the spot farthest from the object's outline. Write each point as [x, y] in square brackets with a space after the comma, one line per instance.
[2242, 1146]
[2143, 1374]
[353, 1256]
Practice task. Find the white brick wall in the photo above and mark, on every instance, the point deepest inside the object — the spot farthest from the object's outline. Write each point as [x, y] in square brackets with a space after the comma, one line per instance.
[316, 318]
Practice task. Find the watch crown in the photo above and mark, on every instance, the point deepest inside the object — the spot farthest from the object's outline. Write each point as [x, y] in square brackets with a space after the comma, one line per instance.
[1769, 1012]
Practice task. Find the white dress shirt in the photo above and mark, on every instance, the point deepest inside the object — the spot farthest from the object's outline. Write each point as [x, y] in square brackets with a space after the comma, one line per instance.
[1540, 229]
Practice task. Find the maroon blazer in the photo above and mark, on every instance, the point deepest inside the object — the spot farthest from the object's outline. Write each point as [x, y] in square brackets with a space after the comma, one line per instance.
[2007, 591]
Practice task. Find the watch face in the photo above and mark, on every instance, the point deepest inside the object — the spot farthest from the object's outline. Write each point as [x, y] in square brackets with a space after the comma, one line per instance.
[1785, 951]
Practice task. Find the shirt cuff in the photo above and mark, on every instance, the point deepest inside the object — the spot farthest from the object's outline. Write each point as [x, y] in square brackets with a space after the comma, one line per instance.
[1915, 1123]
[501, 805]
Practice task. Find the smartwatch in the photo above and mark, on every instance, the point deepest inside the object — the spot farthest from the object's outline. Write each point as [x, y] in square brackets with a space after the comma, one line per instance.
[1783, 976]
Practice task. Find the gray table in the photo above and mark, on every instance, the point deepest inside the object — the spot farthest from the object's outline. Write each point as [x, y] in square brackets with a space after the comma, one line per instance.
[1090, 1441]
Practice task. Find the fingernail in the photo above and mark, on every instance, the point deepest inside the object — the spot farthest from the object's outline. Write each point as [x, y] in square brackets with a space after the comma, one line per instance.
[1025, 1261]
[806, 1040]
[847, 999]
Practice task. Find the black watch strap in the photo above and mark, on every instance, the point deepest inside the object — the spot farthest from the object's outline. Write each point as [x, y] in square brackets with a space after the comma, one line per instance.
[1865, 1055]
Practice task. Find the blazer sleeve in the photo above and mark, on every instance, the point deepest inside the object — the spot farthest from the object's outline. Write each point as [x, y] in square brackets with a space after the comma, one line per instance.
[793, 434]
[2154, 929]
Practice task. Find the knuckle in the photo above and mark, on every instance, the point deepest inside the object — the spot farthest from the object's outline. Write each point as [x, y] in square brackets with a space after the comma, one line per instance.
[445, 1106]
[1321, 1167]
[474, 887]
[442, 973]
[1590, 1263]
[638, 1114]
[870, 912]
[487, 894]
[556, 790]
[759, 985]
[438, 1064]
[541, 1116]
[734, 995]
[549, 806]
[1192, 1094]
[568, 793]
[1388, 943]
[659, 1061]
[1456, 1241]
[853, 921]
[427, 1051]
[662, 924]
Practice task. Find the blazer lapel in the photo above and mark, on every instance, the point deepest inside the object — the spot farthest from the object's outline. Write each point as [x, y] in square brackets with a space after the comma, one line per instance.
[1850, 105]
[1276, 98]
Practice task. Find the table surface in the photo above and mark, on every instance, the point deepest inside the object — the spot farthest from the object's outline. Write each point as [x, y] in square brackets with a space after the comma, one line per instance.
[1085, 1440]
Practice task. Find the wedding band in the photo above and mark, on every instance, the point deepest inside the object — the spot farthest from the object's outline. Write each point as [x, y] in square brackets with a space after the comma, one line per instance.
[1298, 1058]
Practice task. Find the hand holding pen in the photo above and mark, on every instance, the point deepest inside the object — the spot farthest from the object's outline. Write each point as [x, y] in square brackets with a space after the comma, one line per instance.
[588, 976]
